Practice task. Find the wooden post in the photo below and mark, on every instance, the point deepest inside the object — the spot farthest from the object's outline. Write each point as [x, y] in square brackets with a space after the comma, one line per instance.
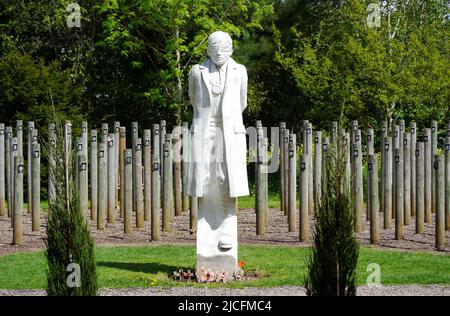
[261, 168]
[185, 165]
[434, 135]
[36, 186]
[440, 202]
[384, 133]
[79, 152]
[147, 175]
[51, 163]
[84, 141]
[67, 143]
[259, 182]
[447, 183]
[193, 215]
[111, 180]
[19, 136]
[102, 185]
[156, 191]
[29, 162]
[265, 150]
[94, 175]
[18, 200]
[357, 183]
[304, 209]
[292, 219]
[14, 153]
[139, 200]
[2, 170]
[399, 191]
[354, 131]
[281, 142]
[128, 191]
[334, 133]
[372, 175]
[162, 131]
[176, 155]
[420, 187]
[412, 156]
[348, 162]
[317, 168]
[370, 142]
[407, 177]
[117, 159]
[395, 144]
[8, 166]
[122, 148]
[388, 183]
[428, 174]
[286, 169]
[310, 168]
[104, 133]
[82, 177]
[325, 151]
[401, 127]
[167, 183]
[370, 151]
[134, 137]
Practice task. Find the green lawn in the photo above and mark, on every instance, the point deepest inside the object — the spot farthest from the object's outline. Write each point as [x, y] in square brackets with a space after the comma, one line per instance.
[249, 201]
[275, 265]
[44, 205]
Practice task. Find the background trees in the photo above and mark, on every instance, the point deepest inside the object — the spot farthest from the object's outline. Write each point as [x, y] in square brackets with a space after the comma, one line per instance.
[306, 59]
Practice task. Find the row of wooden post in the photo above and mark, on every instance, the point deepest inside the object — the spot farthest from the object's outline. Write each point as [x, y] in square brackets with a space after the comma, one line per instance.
[409, 175]
[12, 171]
[415, 179]
[132, 180]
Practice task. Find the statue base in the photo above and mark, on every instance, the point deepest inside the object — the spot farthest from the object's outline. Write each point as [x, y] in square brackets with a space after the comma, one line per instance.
[217, 242]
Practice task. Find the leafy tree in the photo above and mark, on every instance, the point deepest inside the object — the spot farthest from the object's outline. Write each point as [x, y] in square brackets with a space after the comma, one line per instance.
[28, 87]
[170, 36]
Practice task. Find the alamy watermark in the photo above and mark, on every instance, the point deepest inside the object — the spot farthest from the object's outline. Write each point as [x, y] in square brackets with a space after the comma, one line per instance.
[374, 278]
[74, 18]
[74, 277]
[374, 16]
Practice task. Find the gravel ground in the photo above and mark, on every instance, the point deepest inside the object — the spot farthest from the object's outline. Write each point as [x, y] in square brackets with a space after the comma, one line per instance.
[403, 290]
[276, 234]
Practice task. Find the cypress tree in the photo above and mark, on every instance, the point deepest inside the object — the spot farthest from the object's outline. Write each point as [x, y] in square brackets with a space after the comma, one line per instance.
[68, 237]
[331, 266]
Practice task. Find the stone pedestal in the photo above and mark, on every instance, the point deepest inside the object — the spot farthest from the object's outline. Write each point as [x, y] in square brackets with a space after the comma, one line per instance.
[217, 242]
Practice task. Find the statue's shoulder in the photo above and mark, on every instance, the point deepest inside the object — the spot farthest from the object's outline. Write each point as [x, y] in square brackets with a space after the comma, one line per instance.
[236, 65]
[195, 70]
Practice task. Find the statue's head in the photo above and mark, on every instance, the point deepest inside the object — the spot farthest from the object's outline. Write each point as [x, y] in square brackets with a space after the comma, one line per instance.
[220, 47]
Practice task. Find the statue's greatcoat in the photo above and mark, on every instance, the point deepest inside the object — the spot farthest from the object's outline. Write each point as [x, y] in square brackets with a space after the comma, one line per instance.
[234, 101]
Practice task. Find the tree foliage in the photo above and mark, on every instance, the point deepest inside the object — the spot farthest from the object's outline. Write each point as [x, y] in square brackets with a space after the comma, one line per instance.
[331, 267]
[306, 59]
[68, 237]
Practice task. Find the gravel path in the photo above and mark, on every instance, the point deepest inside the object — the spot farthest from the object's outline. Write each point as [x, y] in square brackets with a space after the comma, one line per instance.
[391, 290]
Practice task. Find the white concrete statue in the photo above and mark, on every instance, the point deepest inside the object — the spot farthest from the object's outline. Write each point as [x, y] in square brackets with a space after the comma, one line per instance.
[217, 172]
